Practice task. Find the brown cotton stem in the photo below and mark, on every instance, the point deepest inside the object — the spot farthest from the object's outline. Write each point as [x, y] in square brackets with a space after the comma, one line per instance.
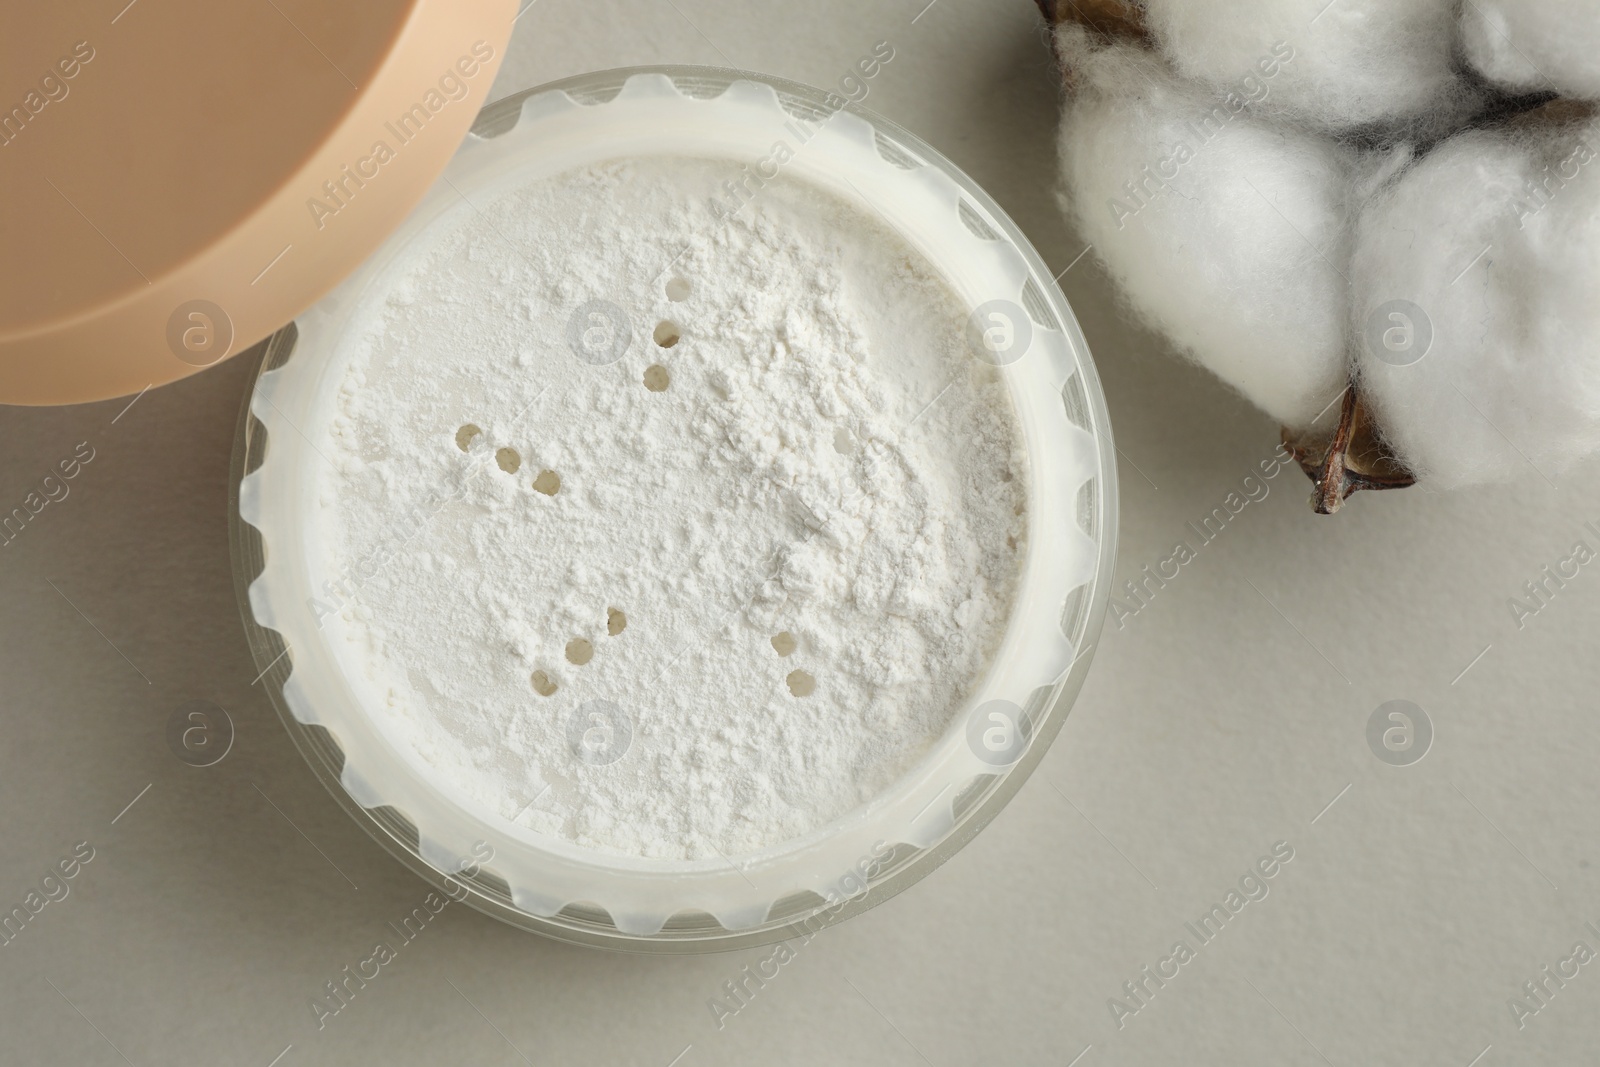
[1353, 458]
[1114, 18]
[1111, 19]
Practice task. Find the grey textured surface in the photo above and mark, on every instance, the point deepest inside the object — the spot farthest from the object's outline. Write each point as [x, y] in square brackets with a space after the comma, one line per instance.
[1225, 716]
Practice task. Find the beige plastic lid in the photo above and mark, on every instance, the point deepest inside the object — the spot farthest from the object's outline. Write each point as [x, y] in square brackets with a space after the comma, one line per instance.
[179, 178]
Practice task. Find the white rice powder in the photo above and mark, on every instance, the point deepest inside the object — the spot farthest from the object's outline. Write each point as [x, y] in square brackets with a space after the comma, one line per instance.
[705, 597]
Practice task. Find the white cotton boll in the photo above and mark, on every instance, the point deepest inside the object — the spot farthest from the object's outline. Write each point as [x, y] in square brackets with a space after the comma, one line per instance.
[1495, 236]
[1534, 45]
[1348, 63]
[1226, 233]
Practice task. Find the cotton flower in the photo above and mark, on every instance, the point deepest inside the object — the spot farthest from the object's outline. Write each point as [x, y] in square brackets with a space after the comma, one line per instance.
[1223, 231]
[1495, 239]
[1393, 200]
[1356, 63]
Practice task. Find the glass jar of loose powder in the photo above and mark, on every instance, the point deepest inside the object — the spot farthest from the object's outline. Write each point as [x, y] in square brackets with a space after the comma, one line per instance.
[691, 526]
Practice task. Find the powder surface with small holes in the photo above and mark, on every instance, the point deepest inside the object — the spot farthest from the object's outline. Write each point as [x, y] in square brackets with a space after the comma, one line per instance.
[700, 598]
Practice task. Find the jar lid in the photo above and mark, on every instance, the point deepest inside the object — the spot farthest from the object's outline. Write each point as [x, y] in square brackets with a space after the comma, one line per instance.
[182, 178]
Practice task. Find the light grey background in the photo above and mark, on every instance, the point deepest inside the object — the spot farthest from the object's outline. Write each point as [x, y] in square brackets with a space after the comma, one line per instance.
[1223, 718]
